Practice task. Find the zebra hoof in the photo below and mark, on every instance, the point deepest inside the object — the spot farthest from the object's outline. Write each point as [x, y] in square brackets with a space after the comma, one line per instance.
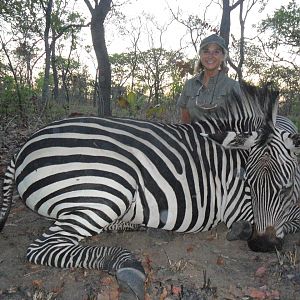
[241, 230]
[131, 282]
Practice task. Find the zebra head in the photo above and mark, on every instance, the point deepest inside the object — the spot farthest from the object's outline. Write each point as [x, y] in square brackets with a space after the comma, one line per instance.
[272, 176]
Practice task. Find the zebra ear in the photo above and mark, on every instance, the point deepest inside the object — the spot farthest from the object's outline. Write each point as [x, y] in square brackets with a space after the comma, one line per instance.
[292, 142]
[233, 140]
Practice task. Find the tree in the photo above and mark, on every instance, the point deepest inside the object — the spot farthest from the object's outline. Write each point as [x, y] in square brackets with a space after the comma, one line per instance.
[225, 31]
[124, 68]
[156, 68]
[56, 27]
[48, 11]
[198, 27]
[158, 76]
[281, 52]
[66, 24]
[16, 82]
[245, 7]
[19, 46]
[98, 15]
[284, 30]
[33, 23]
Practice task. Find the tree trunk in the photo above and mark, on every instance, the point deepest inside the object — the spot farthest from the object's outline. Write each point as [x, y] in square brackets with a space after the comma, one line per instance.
[99, 14]
[45, 92]
[225, 32]
[225, 22]
[18, 90]
[54, 70]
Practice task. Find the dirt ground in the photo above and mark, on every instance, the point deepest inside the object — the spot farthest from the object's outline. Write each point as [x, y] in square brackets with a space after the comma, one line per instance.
[200, 266]
[179, 266]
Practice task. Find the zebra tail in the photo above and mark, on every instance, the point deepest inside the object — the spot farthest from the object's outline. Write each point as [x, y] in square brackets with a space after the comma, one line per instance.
[7, 193]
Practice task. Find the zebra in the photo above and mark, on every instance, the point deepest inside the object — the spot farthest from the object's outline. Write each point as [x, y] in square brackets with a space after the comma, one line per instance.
[242, 230]
[285, 124]
[90, 174]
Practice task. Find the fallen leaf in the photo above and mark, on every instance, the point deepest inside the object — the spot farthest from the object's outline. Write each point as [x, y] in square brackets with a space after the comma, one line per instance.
[211, 237]
[176, 291]
[37, 283]
[220, 260]
[147, 297]
[149, 278]
[147, 262]
[164, 294]
[257, 294]
[260, 272]
[106, 280]
[57, 290]
[190, 249]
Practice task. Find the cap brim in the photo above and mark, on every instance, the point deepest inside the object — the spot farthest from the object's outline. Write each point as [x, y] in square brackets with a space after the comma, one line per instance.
[206, 44]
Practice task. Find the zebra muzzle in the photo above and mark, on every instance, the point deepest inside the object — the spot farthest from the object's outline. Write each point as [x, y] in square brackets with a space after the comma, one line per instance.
[265, 242]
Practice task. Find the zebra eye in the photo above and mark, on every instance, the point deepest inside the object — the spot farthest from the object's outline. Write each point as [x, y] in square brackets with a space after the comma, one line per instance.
[287, 189]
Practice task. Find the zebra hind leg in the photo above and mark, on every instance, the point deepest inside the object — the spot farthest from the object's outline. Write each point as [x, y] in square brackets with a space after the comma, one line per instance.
[60, 248]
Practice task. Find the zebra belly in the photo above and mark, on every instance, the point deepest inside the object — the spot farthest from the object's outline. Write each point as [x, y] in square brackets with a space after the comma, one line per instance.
[150, 211]
[55, 190]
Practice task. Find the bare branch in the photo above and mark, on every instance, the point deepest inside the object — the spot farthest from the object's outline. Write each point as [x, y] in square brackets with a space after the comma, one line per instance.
[66, 28]
[236, 4]
[89, 5]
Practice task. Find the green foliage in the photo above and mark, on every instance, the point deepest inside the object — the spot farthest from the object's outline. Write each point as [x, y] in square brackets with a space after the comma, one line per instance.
[274, 59]
[284, 25]
[9, 102]
[22, 16]
[39, 82]
[147, 84]
[132, 99]
[7, 94]
[66, 63]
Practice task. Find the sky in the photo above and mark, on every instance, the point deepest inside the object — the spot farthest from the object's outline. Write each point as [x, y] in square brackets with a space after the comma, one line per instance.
[160, 11]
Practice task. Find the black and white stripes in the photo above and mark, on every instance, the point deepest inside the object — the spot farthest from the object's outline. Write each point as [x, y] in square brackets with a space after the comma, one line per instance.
[93, 174]
[140, 172]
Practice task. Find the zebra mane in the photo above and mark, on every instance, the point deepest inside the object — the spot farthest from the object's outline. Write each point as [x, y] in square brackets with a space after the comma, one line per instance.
[269, 96]
[245, 111]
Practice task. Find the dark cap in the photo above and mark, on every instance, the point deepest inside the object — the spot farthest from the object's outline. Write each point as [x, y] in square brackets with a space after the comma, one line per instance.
[213, 39]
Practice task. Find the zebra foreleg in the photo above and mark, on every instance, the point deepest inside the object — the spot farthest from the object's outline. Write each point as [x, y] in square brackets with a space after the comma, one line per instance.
[60, 248]
[120, 226]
